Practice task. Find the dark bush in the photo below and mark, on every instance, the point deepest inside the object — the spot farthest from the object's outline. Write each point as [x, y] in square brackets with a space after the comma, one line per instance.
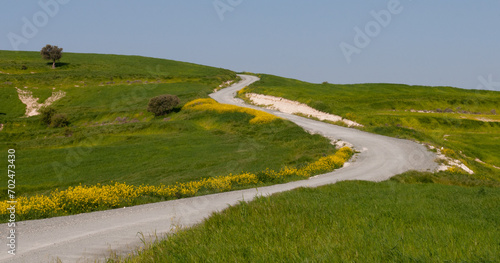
[163, 104]
[59, 120]
[47, 114]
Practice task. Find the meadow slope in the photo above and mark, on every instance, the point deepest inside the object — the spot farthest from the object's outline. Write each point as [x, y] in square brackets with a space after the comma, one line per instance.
[111, 136]
[449, 216]
[117, 229]
[465, 123]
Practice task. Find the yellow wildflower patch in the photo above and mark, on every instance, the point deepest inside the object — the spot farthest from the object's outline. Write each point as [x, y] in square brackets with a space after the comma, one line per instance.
[260, 117]
[324, 164]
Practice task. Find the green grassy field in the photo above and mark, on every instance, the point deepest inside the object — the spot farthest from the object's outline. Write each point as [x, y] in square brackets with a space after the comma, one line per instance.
[113, 138]
[468, 122]
[414, 217]
[346, 222]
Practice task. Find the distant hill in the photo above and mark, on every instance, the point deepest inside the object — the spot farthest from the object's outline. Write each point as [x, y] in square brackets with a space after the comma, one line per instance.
[75, 71]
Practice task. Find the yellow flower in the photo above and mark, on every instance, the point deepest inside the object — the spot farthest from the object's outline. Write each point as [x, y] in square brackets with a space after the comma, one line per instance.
[82, 198]
[260, 117]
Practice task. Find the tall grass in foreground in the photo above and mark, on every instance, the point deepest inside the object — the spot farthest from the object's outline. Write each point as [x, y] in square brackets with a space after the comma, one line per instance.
[81, 199]
[346, 222]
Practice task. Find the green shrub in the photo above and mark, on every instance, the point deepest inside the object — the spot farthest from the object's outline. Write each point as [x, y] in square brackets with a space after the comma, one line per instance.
[59, 120]
[47, 113]
[163, 104]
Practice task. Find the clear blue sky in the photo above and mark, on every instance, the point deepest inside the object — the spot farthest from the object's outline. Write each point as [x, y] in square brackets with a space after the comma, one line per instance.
[450, 43]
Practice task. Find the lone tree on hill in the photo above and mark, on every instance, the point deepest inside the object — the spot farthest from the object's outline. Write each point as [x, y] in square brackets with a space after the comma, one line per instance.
[52, 53]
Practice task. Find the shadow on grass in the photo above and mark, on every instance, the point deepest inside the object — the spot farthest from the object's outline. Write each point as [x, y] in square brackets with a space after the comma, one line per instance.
[58, 64]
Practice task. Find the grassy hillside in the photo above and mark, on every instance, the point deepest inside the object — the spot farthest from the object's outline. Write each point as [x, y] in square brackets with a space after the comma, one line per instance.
[111, 136]
[465, 121]
[28, 68]
[346, 222]
[83, 76]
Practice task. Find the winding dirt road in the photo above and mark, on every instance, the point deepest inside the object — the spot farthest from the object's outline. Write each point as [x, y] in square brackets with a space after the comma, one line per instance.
[86, 237]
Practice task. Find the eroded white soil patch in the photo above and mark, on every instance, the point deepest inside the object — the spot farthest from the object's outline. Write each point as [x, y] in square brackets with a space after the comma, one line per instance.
[32, 104]
[449, 162]
[479, 161]
[294, 107]
[484, 119]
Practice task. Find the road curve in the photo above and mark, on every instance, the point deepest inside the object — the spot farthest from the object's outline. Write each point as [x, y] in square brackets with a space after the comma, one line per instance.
[90, 236]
